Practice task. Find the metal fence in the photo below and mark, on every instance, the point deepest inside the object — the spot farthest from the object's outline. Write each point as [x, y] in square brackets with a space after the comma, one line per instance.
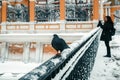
[75, 63]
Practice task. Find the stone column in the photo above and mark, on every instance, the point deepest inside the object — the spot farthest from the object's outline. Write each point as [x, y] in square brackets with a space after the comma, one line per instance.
[7, 50]
[26, 52]
[106, 12]
[39, 52]
[32, 27]
[109, 11]
[0, 11]
[3, 28]
[3, 51]
[62, 15]
[101, 10]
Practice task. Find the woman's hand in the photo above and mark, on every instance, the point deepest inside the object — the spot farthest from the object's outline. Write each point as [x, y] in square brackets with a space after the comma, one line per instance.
[99, 23]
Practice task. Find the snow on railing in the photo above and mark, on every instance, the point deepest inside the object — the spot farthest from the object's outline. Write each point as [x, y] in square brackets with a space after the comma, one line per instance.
[74, 63]
[40, 37]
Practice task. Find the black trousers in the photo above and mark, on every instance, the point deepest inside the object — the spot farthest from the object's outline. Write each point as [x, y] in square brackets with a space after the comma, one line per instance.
[108, 48]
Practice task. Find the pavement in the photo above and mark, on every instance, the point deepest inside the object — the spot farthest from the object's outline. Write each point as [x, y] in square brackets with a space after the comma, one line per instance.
[107, 68]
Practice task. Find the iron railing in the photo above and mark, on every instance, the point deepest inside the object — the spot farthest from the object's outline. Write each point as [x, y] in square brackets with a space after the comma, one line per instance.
[75, 63]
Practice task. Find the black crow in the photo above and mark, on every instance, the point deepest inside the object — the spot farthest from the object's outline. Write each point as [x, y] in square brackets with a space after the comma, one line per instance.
[58, 43]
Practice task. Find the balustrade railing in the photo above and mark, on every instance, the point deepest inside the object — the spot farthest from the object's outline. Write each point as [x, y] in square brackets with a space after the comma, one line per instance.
[74, 63]
[21, 43]
[37, 27]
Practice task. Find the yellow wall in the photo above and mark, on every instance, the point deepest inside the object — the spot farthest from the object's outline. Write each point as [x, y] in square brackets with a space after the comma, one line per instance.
[31, 4]
[113, 9]
[25, 2]
[112, 2]
[0, 15]
[4, 8]
[95, 10]
[32, 10]
[62, 9]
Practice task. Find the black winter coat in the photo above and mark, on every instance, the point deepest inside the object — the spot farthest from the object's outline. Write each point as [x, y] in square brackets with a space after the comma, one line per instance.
[106, 33]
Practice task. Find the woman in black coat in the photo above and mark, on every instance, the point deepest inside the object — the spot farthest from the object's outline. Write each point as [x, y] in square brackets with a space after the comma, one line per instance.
[106, 33]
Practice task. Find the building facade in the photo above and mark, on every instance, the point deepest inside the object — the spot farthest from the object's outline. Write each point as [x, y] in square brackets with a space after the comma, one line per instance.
[112, 8]
[47, 10]
[54, 10]
[29, 14]
[48, 16]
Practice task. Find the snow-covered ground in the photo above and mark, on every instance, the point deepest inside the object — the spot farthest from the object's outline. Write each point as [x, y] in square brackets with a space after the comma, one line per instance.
[13, 70]
[104, 68]
[107, 68]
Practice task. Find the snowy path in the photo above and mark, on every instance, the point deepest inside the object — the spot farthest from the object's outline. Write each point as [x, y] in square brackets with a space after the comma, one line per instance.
[104, 68]
[107, 68]
[13, 70]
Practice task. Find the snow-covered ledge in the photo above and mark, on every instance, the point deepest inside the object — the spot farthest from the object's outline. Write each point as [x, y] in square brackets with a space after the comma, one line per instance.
[79, 59]
[40, 39]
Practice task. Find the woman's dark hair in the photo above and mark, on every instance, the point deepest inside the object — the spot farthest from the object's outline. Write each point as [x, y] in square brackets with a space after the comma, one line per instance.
[109, 19]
